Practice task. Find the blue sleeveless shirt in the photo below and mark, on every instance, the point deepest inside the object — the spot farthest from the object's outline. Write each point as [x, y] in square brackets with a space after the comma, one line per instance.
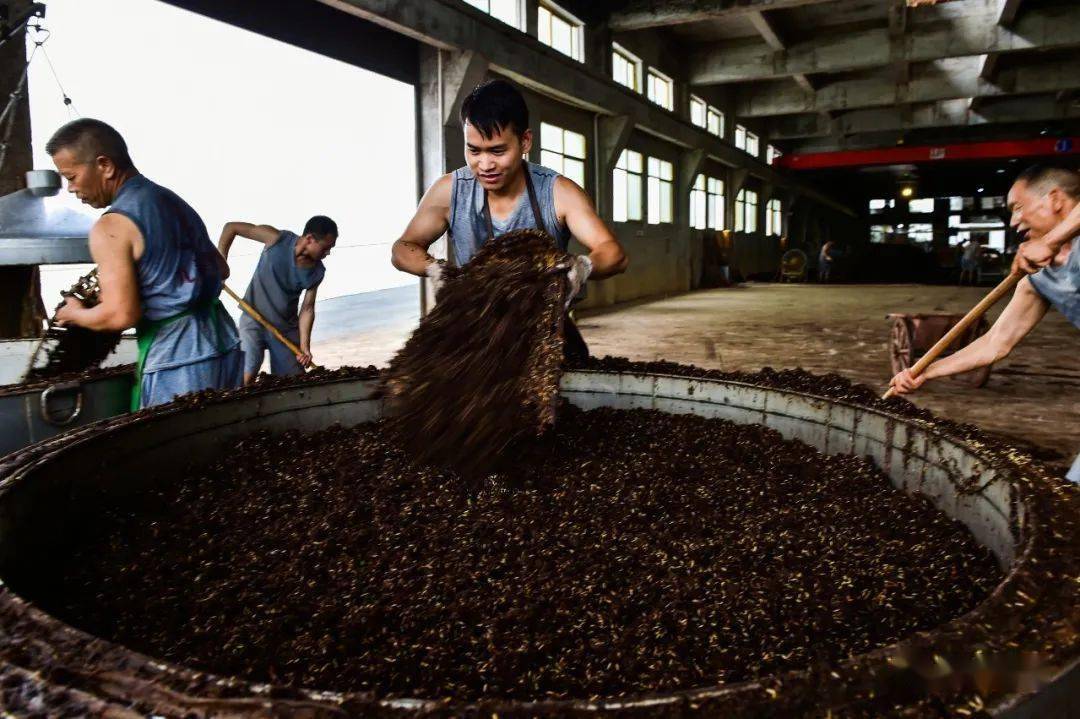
[1060, 286]
[277, 283]
[468, 229]
[178, 272]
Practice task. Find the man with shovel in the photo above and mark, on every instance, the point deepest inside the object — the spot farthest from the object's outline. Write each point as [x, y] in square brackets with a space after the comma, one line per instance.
[1043, 202]
[289, 264]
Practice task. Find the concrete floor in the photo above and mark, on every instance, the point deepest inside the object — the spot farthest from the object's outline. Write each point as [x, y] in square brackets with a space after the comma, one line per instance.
[1032, 397]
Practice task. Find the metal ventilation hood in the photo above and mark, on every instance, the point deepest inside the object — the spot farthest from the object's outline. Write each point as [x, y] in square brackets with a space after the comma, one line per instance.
[36, 229]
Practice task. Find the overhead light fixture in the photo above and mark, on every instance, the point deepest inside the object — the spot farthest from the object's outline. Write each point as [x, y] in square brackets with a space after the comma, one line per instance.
[979, 190]
[1001, 171]
[907, 191]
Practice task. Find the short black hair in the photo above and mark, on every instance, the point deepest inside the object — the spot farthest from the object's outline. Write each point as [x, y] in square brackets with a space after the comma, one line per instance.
[89, 139]
[1044, 178]
[321, 226]
[494, 106]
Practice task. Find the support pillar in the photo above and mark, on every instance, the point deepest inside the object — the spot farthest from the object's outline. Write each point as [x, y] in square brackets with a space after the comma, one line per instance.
[21, 309]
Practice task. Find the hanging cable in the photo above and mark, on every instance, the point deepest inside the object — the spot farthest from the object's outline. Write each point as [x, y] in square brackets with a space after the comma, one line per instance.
[38, 35]
[72, 110]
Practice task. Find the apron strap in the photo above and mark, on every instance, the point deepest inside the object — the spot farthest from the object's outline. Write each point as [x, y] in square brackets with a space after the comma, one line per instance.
[538, 217]
[146, 332]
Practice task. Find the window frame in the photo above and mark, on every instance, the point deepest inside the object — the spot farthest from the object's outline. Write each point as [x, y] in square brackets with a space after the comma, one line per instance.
[752, 137]
[519, 11]
[631, 60]
[577, 29]
[710, 112]
[699, 207]
[715, 201]
[562, 153]
[624, 165]
[745, 219]
[774, 218]
[653, 73]
[695, 100]
[659, 188]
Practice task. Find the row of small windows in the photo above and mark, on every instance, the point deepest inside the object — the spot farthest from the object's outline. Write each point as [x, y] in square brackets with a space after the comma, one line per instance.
[555, 27]
[925, 205]
[644, 187]
[562, 31]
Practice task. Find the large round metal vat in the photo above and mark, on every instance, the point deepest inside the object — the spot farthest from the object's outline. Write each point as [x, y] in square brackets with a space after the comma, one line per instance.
[39, 518]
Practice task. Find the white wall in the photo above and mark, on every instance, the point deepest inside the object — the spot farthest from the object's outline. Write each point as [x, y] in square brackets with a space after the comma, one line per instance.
[241, 126]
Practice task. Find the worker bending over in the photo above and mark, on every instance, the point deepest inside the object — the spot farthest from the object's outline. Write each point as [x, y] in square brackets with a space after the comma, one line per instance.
[158, 269]
[288, 265]
[1045, 206]
[499, 191]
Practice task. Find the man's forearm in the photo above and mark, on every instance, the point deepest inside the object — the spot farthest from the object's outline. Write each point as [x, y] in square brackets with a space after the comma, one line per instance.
[410, 257]
[608, 260]
[225, 242]
[307, 322]
[100, 318]
[977, 354]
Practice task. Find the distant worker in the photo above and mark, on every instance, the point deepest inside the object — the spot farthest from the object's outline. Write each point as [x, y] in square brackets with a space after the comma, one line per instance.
[158, 269]
[1045, 206]
[970, 256]
[825, 261]
[498, 191]
[288, 265]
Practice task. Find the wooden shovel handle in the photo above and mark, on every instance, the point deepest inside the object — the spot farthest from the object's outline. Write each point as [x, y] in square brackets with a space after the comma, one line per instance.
[262, 321]
[991, 299]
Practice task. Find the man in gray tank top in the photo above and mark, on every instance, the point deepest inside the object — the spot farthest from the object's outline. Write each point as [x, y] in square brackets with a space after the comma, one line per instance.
[499, 191]
[289, 264]
[1045, 206]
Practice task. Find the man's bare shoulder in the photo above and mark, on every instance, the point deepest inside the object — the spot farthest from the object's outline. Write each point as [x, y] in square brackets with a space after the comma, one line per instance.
[116, 231]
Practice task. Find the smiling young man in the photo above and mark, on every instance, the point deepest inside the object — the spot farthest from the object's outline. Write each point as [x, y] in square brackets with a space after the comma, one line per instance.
[289, 264]
[498, 191]
[157, 268]
[1042, 200]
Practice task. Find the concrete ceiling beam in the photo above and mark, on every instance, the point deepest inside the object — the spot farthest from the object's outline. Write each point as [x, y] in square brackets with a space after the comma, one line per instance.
[976, 33]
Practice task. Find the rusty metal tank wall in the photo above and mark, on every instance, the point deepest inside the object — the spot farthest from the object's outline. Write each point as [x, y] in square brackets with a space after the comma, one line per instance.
[37, 518]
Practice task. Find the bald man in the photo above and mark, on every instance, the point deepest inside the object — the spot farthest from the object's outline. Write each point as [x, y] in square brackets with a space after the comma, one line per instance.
[1044, 204]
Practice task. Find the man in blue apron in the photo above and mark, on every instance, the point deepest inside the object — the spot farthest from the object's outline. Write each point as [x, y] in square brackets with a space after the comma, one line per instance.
[289, 264]
[1043, 202]
[499, 191]
[158, 270]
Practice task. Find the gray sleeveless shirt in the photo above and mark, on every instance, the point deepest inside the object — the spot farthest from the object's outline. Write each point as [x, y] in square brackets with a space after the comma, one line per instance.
[1060, 286]
[468, 228]
[277, 283]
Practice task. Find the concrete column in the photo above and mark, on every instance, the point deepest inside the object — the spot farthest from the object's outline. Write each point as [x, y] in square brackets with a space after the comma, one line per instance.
[612, 136]
[446, 78]
[21, 310]
[530, 8]
[689, 167]
[736, 180]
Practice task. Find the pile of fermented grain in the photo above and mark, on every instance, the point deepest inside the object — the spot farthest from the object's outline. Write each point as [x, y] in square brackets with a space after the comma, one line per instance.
[67, 348]
[482, 370]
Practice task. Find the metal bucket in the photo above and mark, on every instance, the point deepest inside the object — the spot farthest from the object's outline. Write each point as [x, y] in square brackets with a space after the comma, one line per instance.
[37, 516]
[32, 412]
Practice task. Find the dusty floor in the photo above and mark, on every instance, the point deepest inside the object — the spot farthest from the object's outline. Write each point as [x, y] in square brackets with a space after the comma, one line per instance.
[1033, 396]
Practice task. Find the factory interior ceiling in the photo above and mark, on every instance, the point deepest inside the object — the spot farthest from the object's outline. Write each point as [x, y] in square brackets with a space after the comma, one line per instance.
[827, 76]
